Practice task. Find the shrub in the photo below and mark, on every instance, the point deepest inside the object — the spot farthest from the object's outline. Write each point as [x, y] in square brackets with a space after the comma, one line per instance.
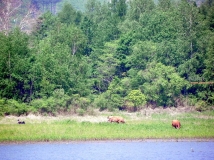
[130, 106]
[201, 106]
[91, 111]
[84, 102]
[101, 102]
[80, 112]
[136, 97]
[192, 100]
[12, 107]
[58, 103]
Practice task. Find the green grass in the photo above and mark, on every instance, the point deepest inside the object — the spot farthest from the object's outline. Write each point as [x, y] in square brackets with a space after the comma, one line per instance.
[157, 127]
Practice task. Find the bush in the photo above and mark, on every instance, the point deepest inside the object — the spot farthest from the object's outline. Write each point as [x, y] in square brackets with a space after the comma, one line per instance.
[90, 111]
[80, 112]
[137, 98]
[192, 100]
[101, 103]
[129, 106]
[84, 102]
[201, 106]
[12, 107]
[58, 103]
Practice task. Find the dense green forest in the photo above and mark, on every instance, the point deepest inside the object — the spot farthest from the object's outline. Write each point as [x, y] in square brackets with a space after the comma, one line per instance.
[118, 55]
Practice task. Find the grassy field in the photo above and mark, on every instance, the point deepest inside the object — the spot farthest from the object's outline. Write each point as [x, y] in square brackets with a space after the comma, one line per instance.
[137, 126]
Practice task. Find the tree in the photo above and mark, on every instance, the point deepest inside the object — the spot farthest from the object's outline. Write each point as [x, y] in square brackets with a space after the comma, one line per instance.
[15, 64]
[209, 70]
[45, 5]
[69, 15]
[143, 53]
[87, 27]
[138, 8]
[194, 38]
[165, 4]
[207, 9]
[71, 36]
[118, 8]
[105, 22]
[136, 97]
[7, 10]
[55, 67]
[104, 72]
[92, 9]
[161, 84]
[114, 94]
[123, 50]
[46, 23]
[17, 13]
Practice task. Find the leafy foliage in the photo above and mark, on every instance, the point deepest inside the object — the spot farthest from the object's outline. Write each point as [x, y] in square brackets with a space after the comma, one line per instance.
[110, 56]
[162, 83]
[136, 97]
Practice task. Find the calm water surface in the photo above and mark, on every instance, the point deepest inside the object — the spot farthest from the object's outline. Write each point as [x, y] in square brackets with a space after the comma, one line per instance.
[111, 150]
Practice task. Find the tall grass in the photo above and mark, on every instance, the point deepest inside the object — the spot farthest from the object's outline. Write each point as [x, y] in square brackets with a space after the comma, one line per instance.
[159, 126]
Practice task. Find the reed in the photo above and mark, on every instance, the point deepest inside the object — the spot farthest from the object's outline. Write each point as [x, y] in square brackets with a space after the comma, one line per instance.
[157, 127]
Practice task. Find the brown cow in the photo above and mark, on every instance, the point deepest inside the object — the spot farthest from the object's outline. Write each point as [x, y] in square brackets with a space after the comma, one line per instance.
[176, 124]
[116, 119]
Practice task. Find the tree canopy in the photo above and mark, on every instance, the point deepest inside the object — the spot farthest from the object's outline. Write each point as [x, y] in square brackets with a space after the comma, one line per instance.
[111, 56]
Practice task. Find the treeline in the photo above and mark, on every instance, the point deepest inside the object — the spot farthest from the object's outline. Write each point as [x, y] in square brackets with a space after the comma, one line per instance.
[44, 5]
[118, 55]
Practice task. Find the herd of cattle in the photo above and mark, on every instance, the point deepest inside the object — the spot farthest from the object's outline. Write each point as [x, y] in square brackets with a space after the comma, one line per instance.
[175, 123]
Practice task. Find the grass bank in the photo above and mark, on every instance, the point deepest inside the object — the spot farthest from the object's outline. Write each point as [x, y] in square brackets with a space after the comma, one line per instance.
[137, 126]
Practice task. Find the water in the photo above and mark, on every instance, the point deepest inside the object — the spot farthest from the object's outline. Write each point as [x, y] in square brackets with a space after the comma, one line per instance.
[111, 150]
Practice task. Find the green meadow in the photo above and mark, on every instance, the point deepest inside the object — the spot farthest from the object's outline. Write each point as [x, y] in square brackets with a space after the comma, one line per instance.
[157, 126]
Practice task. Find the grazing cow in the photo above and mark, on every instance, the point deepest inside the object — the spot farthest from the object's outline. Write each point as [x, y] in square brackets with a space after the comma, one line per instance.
[176, 124]
[116, 119]
[21, 122]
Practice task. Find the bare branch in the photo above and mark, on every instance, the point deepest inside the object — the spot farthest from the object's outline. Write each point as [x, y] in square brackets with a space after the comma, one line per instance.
[7, 9]
[12, 10]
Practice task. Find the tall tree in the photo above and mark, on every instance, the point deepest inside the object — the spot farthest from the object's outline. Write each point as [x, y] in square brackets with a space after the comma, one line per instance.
[138, 7]
[165, 5]
[191, 33]
[143, 53]
[162, 84]
[209, 70]
[15, 64]
[87, 27]
[71, 36]
[44, 25]
[69, 15]
[118, 8]
[104, 65]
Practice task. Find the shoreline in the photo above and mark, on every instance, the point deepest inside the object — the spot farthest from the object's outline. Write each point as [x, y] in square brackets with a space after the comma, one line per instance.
[114, 140]
[138, 128]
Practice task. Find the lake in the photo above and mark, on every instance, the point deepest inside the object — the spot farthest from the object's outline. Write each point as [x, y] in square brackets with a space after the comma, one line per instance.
[111, 150]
